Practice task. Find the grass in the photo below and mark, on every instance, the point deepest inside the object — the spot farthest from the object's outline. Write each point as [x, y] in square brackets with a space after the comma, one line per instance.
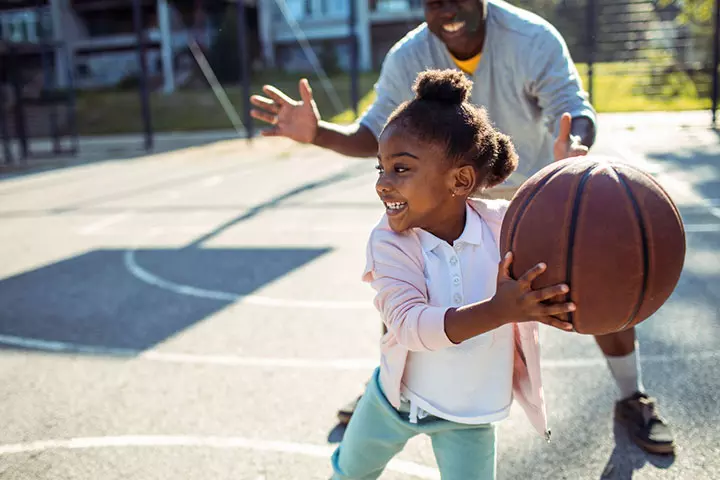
[617, 87]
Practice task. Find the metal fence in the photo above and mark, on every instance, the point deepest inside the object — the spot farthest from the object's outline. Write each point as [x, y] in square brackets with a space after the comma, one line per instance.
[662, 52]
[633, 55]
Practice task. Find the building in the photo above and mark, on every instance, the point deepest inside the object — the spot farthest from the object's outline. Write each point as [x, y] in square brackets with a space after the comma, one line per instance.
[95, 41]
[288, 27]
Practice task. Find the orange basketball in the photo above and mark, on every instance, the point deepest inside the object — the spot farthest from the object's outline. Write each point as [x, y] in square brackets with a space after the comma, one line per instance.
[605, 228]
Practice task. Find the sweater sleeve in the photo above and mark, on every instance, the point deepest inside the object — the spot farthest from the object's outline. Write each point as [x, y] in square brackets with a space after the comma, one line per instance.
[554, 80]
[392, 88]
[401, 293]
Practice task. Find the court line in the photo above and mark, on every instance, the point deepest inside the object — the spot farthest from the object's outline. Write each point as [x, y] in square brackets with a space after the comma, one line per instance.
[194, 229]
[216, 442]
[702, 228]
[98, 226]
[150, 278]
[301, 363]
[212, 181]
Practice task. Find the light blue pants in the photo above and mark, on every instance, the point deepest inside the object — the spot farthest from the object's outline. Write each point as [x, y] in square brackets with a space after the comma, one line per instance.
[377, 432]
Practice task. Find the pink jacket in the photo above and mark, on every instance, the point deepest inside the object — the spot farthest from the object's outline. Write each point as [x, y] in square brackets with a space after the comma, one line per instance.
[396, 263]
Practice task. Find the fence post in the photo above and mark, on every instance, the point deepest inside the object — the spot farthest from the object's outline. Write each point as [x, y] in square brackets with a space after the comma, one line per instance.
[19, 108]
[353, 41]
[4, 130]
[716, 59]
[244, 65]
[591, 18]
[143, 77]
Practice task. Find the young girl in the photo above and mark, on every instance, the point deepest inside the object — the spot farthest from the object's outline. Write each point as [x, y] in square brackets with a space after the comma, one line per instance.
[462, 338]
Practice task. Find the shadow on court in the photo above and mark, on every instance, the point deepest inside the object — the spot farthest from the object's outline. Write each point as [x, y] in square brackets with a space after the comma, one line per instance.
[94, 300]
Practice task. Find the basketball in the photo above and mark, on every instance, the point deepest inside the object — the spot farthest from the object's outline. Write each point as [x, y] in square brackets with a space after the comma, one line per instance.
[605, 228]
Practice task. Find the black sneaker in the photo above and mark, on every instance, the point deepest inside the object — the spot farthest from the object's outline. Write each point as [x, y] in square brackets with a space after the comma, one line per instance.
[346, 412]
[638, 413]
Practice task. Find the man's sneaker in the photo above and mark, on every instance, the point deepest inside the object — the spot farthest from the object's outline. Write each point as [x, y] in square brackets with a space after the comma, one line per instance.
[346, 412]
[646, 428]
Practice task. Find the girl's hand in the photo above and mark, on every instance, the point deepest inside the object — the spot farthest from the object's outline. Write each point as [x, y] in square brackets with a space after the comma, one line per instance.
[516, 301]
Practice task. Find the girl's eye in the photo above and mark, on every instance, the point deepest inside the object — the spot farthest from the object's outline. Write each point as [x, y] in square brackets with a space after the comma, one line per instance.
[400, 169]
[379, 169]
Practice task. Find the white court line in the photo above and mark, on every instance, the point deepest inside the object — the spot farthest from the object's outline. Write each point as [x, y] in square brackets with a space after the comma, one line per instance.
[655, 168]
[302, 363]
[99, 225]
[702, 228]
[274, 229]
[156, 281]
[212, 181]
[217, 442]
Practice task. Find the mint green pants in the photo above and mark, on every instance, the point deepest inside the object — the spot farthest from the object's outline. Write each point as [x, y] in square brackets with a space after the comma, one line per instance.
[377, 432]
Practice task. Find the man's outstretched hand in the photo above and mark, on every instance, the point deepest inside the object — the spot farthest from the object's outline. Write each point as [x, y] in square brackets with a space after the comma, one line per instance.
[289, 118]
[567, 144]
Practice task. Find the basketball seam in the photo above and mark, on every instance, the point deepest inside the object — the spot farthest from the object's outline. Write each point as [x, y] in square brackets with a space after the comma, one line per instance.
[572, 232]
[663, 191]
[646, 256]
[521, 209]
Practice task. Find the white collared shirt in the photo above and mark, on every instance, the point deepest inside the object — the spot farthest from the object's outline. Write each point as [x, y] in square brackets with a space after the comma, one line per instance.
[471, 382]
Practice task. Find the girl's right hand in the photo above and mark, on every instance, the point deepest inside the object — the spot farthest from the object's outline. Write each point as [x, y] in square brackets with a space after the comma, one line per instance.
[516, 301]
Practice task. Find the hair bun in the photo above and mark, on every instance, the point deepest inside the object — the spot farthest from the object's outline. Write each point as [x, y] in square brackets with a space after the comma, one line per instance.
[504, 161]
[447, 86]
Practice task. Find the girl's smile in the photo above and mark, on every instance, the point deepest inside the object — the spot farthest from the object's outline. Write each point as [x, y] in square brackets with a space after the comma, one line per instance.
[394, 208]
[414, 184]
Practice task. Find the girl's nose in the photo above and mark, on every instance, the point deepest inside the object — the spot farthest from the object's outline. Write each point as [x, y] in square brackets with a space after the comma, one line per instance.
[382, 185]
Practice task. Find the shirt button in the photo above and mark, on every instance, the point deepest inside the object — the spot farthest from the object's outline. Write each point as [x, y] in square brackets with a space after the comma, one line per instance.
[453, 260]
[457, 298]
[456, 280]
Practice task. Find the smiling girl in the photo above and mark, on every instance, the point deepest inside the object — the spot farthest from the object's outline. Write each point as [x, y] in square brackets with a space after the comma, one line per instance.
[462, 335]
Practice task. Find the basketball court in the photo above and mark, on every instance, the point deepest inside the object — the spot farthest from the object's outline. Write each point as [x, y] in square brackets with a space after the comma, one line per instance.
[198, 314]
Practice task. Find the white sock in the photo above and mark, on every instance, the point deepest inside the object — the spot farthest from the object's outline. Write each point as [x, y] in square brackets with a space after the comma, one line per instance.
[626, 371]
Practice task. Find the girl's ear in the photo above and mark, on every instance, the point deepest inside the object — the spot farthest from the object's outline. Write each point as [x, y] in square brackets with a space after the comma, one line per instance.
[464, 181]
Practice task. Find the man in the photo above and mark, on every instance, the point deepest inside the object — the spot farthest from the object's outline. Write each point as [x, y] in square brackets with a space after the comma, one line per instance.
[524, 76]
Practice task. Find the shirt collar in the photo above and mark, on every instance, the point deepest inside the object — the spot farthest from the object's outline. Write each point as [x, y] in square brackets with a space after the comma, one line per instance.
[472, 233]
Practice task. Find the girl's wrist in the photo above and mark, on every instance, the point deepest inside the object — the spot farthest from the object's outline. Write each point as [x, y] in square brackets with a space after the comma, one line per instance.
[469, 321]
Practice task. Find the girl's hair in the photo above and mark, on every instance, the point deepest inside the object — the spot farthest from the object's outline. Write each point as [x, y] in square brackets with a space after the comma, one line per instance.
[440, 112]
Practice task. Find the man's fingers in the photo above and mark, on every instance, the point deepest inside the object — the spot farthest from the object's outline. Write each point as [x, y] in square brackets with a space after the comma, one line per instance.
[577, 149]
[264, 103]
[565, 126]
[279, 97]
[305, 91]
[533, 273]
[271, 132]
[264, 116]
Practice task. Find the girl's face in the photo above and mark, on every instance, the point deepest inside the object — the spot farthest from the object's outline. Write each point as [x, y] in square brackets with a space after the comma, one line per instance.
[416, 184]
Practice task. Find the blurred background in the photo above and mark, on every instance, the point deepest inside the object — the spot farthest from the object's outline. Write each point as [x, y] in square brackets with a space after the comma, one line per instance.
[97, 67]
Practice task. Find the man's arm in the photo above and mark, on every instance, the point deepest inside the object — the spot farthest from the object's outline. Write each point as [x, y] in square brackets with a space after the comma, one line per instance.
[300, 120]
[553, 80]
[360, 139]
[354, 140]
